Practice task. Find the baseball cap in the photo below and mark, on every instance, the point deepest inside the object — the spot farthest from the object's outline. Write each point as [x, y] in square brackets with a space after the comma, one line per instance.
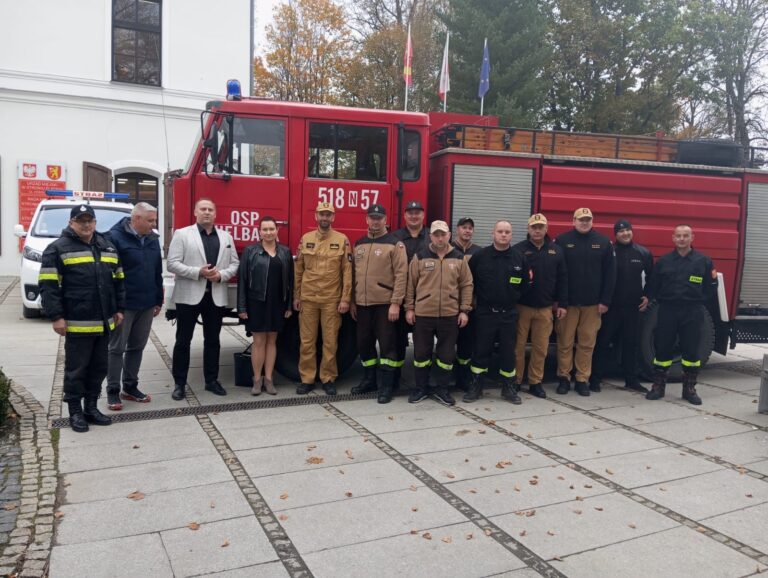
[621, 224]
[537, 219]
[414, 206]
[464, 221]
[439, 226]
[582, 213]
[325, 207]
[377, 211]
[81, 210]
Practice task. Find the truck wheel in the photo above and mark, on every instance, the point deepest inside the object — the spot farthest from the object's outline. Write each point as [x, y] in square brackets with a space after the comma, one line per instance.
[646, 349]
[29, 313]
[287, 362]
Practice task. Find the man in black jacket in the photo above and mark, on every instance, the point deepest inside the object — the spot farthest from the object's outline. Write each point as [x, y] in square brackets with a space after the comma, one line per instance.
[591, 278]
[621, 324]
[547, 298]
[501, 276]
[465, 229]
[139, 248]
[81, 282]
[682, 282]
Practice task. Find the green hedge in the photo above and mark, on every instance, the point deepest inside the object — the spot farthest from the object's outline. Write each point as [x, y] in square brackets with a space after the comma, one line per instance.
[5, 394]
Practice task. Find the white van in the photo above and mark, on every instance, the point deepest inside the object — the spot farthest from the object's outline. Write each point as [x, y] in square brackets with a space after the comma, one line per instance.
[51, 216]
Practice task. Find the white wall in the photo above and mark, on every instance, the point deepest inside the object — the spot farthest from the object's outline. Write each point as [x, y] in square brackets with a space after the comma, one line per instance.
[57, 102]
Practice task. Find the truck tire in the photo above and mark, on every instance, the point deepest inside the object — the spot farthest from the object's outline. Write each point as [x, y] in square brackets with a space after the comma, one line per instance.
[29, 313]
[646, 349]
[287, 362]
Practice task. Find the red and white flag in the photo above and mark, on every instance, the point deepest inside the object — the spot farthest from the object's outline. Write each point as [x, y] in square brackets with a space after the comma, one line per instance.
[408, 61]
[445, 81]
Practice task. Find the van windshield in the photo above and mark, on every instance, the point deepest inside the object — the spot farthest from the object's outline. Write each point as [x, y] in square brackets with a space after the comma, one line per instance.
[51, 220]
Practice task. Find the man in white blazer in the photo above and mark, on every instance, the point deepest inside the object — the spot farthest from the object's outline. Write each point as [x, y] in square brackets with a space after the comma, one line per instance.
[203, 258]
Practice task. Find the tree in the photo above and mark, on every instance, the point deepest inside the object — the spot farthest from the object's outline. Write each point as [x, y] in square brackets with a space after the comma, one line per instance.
[309, 51]
[519, 52]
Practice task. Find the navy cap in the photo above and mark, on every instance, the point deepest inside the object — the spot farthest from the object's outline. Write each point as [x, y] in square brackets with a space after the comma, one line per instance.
[377, 211]
[81, 210]
[621, 224]
[414, 206]
[464, 221]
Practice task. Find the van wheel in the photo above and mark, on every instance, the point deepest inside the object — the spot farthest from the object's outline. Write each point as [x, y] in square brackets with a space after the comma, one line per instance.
[29, 313]
[287, 362]
[646, 349]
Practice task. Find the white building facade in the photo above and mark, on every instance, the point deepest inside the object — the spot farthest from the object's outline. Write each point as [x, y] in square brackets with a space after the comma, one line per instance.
[111, 90]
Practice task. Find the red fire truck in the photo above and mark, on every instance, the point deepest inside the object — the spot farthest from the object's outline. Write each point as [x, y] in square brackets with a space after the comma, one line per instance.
[260, 157]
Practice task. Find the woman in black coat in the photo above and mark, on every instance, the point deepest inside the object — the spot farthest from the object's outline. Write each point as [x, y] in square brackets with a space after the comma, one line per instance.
[264, 297]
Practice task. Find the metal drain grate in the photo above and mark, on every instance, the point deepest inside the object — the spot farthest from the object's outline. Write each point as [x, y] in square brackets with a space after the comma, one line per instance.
[223, 407]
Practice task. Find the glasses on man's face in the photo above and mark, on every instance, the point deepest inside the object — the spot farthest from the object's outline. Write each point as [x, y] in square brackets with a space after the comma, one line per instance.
[84, 222]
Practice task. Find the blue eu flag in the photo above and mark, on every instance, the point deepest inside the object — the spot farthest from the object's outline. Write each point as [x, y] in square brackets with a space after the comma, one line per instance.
[485, 73]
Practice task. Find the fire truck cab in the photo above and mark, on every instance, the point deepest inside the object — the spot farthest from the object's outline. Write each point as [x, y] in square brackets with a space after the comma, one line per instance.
[260, 157]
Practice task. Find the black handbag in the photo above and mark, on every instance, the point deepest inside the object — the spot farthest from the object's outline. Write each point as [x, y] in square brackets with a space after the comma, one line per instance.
[243, 368]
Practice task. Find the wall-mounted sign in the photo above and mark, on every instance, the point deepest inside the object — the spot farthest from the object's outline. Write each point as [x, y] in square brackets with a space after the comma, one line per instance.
[35, 177]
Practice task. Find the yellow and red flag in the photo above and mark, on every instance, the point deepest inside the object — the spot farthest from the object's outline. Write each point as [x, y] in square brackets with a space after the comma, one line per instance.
[408, 61]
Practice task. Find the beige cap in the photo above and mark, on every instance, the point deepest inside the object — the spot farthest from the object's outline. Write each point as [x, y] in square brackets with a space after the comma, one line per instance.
[537, 219]
[583, 213]
[325, 207]
[439, 226]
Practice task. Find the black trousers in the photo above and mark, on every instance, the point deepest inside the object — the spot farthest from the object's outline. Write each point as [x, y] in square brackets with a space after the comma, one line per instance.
[466, 341]
[374, 325]
[678, 321]
[446, 330]
[186, 319]
[620, 326]
[85, 365]
[490, 327]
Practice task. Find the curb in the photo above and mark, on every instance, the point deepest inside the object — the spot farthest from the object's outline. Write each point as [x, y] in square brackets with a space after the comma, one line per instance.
[28, 552]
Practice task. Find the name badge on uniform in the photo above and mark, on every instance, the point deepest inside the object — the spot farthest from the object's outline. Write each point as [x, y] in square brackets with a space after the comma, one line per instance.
[695, 279]
[598, 246]
[429, 265]
[310, 245]
[570, 245]
[551, 251]
[515, 280]
[334, 245]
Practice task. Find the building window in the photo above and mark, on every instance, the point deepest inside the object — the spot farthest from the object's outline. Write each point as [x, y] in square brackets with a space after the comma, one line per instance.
[136, 41]
[139, 186]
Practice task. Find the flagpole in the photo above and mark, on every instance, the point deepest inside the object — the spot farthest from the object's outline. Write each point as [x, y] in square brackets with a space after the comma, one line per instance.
[481, 106]
[407, 66]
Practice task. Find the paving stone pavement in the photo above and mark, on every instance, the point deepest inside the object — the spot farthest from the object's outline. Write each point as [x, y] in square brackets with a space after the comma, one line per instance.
[568, 486]
[10, 479]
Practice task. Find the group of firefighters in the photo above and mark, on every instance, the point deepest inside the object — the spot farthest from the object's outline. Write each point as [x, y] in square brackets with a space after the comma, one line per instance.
[461, 301]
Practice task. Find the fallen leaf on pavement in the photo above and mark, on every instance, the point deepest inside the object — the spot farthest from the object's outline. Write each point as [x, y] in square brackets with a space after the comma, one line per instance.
[136, 446]
[588, 486]
[449, 475]
[632, 526]
[311, 447]
[551, 532]
[193, 526]
[662, 489]
[701, 529]
[349, 454]
[426, 536]
[572, 487]
[496, 491]
[413, 488]
[558, 558]
[341, 471]
[503, 463]
[447, 539]
[560, 478]
[58, 515]
[599, 508]
[490, 422]
[470, 536]
[529, 436]
[533, 482]
[348, 494]
[572, 444]
[647, 467]
[517, 488]
[748, 495]
[577, 512]
[530, 513]
[488, 531]
[135, 496]
[315, 460]
[481, 431]
[10, 507]
[414, 532]
[284, 496]
[523, 533]
[609, 471]
[225, 543]
[391, 418]
[472, 491]
[463, 432]
[741, 470]
[414, 509]
[482, 468]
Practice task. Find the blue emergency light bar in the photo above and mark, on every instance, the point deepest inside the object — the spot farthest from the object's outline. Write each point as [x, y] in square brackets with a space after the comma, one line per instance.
[85, 194]
[233, 90]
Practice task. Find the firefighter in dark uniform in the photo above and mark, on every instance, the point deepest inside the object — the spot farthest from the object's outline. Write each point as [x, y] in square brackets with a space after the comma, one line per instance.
[81, 282]
[414, 237]
[465, 228]
[591, 278]
[682, 282]
[546, 300]
[621, 324]
[438, 300]
[380, 274]
[500, 275]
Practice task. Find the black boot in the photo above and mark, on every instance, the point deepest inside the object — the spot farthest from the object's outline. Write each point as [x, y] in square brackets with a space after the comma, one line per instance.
[509, 392]
[474, 389]
[594, 384]
[563, 385]
[463, 376]
[659, 387]
[368, 383]
[386, 389]
[689, 388]
[76, 418]
[92, 413]
[582, 388]
[179, 391]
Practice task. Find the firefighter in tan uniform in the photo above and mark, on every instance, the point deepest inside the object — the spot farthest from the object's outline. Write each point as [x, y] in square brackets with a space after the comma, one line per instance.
[323, 292]
[381, 271]
[438, 300]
